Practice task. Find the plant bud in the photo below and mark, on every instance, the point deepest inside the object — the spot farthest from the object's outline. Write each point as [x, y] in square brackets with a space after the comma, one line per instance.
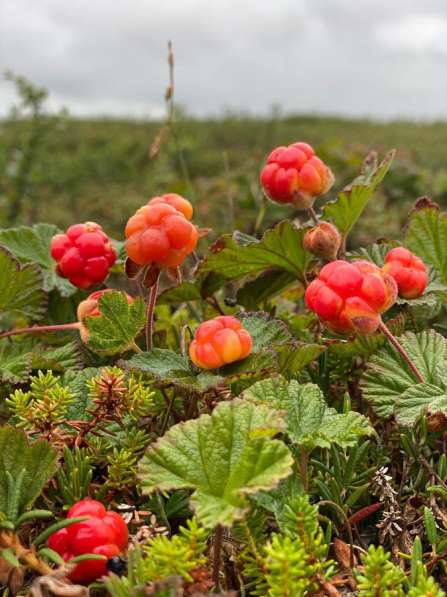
[324, 240]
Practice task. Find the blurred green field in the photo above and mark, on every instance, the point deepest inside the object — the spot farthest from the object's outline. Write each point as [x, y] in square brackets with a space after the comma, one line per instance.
[76, 170]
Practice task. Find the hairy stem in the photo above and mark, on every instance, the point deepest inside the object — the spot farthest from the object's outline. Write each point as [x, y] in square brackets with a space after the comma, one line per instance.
[217, 553]
[401, 350]
[313, 215]
[42, 328]
[150, 312]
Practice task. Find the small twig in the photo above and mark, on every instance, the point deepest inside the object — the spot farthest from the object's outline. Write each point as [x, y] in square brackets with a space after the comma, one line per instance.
[150, 313]
[348, 526]
[217, 553]
[401, 350]
[42, 328]
[313, 215]
[304, 461]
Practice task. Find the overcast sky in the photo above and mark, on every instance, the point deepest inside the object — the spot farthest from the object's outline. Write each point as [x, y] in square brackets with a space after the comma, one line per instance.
[380, 58]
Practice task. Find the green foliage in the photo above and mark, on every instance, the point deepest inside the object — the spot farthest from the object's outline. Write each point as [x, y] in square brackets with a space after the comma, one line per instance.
[310, 422]
[23, 294]
[379, 575]
[352, 200]
[25, 469]
[392, 387]
[73, 481]
[118, 325]
[223, 457]
[281, 247]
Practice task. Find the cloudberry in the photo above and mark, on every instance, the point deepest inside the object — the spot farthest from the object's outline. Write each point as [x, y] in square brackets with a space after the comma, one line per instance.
[90, 308]
[323, 240]
[408, 270]
[160, 232]
[349, 297]
[220, 341]
[84, 254]
[103, 533]
[294, 174]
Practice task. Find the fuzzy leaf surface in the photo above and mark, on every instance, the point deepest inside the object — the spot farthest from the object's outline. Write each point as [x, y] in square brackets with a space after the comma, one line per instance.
[223, 457]
[281, 247]
[388, 376]
[352, 200]
[420, 399]
[118, 325]
[310, 422]
[37, 459]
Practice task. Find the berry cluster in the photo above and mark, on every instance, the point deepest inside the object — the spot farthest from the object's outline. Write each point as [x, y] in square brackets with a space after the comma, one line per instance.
[103, 533]
[160, 232]
[84, 254]
[220, 341]
[349, 297]
[89, 307]
[294, 174]
[408, 270]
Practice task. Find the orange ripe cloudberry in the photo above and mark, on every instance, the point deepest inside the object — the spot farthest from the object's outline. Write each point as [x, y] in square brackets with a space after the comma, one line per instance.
[408, 270]
[160, 232]
[84, 254]
[220, 341]
[294, 174]
[323, 240]
[349, 297]
[90, 308]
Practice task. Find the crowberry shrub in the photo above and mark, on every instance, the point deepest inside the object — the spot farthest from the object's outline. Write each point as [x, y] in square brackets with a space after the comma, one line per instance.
[220, 341]
[103, 533]
[349, 297]
[84, 254]
[160, 232]
[408, 270]
[294, 174]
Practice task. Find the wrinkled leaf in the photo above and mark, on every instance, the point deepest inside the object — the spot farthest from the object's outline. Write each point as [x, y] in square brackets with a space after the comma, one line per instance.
[420, 399]
[280, 248]
[222, 457]
[32, 244]
[118, 325]
[352, 200]
[388, 376]
[21, 293]
[310, 422]
[38, 459]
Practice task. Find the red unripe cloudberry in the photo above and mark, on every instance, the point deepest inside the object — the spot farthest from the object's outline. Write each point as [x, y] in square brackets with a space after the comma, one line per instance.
[409, 271]
[103, 533]
[160, 232]
[89, 307]
[84, 254]
[294, 174]
[349, 297]
[323, 240]
[220, 341]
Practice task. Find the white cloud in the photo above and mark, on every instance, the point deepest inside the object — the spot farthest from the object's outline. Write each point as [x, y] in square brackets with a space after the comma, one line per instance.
[368, 57]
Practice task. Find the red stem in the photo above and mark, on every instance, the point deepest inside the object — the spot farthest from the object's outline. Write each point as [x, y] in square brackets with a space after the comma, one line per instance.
[150, 312]
[42, 328]
[401, 350]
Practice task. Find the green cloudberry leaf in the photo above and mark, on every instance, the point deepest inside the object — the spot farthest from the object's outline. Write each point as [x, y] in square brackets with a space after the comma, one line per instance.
[31, 244]
[388, 376]
[420, 399]
[37, 460]
[21, 293]
[280, 248]
[352, 200]
[118, 325]
[310, 422]
[223, 457]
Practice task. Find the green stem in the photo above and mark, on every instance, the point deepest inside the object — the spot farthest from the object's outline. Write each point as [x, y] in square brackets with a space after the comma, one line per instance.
[150, 313]
[401, 350]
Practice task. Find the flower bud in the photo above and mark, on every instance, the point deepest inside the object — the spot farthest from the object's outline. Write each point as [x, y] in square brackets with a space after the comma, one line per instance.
[323, 240]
